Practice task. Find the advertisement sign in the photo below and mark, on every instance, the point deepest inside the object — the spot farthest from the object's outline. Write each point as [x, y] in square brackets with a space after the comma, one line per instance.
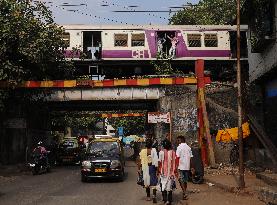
[120, 131]
[156, 117]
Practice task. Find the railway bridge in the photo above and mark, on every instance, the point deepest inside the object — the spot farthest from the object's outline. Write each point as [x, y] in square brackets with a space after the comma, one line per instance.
[177, 95]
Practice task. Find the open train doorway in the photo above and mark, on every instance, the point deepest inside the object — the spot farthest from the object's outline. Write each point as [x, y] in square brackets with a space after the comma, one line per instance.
[92, 44]
[164, 42]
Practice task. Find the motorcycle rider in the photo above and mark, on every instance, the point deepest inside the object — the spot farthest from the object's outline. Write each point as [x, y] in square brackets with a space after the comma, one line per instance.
[42, 152]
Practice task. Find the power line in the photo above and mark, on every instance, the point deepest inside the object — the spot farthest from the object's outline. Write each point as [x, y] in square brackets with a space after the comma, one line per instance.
[132, 10]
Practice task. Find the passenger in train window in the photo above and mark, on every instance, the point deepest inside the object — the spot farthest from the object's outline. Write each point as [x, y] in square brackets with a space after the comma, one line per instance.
[97, 54]
[174, 41]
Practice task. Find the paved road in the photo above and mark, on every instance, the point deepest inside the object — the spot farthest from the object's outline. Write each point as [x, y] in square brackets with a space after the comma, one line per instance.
[63, 187]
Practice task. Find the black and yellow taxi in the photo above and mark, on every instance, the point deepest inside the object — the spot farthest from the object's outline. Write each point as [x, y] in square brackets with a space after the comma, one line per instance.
[104, 158]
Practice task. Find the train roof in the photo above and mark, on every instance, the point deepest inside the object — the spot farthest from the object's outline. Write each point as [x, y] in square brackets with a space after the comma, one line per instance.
[154, 27]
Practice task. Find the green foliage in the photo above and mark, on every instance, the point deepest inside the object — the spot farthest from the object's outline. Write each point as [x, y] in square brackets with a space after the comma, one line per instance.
[206, 12]
[131, 125]
[75, 120]
[31, 45]
[163, 67]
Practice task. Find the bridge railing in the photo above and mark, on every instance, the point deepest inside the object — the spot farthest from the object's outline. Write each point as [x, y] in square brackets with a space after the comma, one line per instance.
[156, 81]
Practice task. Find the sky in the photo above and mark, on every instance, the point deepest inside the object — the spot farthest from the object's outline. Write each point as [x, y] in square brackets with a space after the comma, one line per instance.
[101, 11]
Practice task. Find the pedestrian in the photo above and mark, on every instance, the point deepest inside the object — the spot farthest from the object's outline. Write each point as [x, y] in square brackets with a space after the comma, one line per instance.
[167, 167]
[183, 164]
[148, 168]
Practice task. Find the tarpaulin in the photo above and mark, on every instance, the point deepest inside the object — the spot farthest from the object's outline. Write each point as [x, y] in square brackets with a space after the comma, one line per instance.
[228, 135]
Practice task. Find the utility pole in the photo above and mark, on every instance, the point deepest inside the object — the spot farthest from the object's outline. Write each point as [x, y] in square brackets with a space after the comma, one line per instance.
[240, 134]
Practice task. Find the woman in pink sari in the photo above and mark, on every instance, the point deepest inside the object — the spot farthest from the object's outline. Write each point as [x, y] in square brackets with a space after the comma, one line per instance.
[167, 171]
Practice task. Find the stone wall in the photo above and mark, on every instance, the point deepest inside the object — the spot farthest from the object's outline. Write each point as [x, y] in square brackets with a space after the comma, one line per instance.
[221, 104]
[22, 126]
[181, 102]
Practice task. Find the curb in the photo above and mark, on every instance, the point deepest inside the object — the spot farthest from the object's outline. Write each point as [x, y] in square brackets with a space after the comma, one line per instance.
[267, 179]
[230, 189]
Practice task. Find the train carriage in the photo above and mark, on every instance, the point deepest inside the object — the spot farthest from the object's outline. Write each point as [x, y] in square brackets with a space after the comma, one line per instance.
[126, 50]
[142, 43]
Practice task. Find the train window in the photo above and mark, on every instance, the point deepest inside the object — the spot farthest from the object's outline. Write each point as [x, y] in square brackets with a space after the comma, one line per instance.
[194, 40]
[211, 40]
[121, 40]
[66, 39]
[138, 39]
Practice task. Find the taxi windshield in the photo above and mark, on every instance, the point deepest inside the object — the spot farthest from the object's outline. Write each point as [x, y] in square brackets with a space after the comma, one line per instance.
[68, 144]
[103, 149]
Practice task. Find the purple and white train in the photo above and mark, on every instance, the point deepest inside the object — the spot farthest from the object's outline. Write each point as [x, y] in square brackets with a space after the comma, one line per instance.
[121, 43]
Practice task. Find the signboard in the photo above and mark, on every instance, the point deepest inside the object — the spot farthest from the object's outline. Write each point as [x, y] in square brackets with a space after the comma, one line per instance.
[120, 131]
[156, 117]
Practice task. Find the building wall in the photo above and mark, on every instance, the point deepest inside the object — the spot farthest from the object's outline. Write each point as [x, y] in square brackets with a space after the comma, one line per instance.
[271, 109]
[261, 63]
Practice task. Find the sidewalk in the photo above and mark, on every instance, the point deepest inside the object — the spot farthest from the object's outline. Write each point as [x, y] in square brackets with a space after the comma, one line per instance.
[226, 178]
[13, 170]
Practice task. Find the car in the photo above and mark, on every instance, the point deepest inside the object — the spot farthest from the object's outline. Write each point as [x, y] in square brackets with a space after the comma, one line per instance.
[104, 158]
[69, 151]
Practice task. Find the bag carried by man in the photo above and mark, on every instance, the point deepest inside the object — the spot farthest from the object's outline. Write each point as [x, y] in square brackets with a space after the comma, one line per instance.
[140, 180]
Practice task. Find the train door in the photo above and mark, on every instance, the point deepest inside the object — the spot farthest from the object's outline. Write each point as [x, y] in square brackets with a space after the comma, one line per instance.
[164, 43]
[92, 44]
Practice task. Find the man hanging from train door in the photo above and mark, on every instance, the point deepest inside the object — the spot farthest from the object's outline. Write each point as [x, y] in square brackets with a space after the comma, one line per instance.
[174, 41]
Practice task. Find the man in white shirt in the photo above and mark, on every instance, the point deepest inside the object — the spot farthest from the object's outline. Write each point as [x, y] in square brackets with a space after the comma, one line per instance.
[183, 163]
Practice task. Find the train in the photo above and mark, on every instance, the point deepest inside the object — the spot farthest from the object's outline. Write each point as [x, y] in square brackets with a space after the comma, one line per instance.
[116, 51]
[149, 42]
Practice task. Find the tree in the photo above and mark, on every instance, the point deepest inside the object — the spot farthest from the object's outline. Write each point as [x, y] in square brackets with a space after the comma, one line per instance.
[31, 44]
[206, 12]
[75, 120]
[131, 125]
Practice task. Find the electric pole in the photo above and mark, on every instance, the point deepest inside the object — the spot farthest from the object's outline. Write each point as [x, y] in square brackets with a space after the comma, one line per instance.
[240, 134]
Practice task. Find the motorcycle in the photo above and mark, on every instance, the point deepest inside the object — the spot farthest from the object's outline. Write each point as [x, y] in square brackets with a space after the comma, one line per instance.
[40, 164]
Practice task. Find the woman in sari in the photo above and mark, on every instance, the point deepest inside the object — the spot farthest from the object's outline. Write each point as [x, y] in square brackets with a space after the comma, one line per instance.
[167, 171]
[148, 168]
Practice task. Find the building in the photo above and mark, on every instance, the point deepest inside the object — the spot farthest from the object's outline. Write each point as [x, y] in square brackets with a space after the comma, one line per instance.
[262, 55]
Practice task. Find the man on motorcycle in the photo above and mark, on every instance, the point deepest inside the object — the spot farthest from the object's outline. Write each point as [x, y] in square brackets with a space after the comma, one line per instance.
[41, 151]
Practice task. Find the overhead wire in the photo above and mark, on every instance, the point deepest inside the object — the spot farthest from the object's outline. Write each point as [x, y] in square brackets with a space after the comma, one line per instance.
[133, 10]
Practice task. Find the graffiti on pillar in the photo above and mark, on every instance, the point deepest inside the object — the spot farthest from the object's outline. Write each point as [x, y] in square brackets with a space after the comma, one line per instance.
[186, 120]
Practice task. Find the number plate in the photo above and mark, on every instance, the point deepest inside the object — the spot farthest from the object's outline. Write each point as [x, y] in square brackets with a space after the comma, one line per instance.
[100, 170]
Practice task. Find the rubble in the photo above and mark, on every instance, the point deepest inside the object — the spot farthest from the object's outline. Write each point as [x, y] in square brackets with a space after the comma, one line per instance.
[224, 169]
[210, 184]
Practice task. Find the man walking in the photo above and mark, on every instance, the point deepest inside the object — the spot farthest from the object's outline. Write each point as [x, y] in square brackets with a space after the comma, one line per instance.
[183, 163]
